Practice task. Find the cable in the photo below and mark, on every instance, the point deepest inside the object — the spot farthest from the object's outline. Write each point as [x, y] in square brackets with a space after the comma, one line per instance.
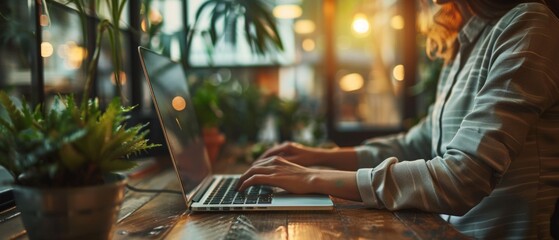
[152, 190]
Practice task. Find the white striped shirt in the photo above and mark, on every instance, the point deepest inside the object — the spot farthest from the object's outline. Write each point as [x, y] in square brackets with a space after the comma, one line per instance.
[487, 155]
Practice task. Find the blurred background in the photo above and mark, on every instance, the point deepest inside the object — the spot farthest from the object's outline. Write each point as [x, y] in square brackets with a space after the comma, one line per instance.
[326, 72]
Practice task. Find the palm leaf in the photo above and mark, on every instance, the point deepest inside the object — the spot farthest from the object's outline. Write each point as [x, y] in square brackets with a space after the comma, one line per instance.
[265, 15]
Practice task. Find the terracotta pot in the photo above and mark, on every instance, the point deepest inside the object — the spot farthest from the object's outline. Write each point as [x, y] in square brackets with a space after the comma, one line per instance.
[213, 139]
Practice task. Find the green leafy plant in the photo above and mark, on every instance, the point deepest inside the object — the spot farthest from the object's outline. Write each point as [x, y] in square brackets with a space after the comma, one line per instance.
[259, 24]
[72, 144]
[292, 117]
[68, 145]
[206, 101]
[245, 108]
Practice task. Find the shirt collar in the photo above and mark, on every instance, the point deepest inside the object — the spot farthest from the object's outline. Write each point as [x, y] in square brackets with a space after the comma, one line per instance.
[472, 29]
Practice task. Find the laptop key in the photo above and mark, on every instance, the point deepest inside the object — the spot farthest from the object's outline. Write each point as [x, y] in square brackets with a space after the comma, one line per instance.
[239, 201]
[227, 200]
[265, 200]
[225, 193]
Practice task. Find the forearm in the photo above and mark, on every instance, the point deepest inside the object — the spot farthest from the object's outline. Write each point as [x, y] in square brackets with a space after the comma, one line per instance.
[342, 184]
[341, 159]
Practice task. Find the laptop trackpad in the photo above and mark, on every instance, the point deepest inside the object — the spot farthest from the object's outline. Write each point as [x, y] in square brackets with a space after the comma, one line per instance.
[284, 198]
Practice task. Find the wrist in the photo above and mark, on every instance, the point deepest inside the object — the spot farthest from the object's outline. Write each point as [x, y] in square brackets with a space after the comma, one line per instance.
[341, 159]
[317, 182]
[342, 184]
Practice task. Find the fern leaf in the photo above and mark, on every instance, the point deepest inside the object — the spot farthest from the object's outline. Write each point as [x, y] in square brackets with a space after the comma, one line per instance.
[116, 165]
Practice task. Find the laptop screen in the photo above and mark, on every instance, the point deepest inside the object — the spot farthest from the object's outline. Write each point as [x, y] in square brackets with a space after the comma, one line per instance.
[170, 93]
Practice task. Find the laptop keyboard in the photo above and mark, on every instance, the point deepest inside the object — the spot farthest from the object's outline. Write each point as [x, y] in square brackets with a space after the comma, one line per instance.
[225, 193]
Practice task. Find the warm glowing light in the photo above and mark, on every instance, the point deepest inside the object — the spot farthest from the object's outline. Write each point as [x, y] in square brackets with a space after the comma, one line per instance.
[398, 72]
[360, 24]
[46, 49]
[304, 26]
[397, 22]
[76, 53]
[423, 22]
[178, 103]
[288, 11]
[122, 76]
[351, 82]
[308, 45]
[155, 17]
[44, 20]
[143, 25]
[72, 53]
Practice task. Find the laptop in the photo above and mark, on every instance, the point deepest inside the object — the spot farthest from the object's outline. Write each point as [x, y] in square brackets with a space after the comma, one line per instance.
[203, 190]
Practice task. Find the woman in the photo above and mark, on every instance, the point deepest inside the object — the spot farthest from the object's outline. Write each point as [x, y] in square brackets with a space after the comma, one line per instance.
[487, 154]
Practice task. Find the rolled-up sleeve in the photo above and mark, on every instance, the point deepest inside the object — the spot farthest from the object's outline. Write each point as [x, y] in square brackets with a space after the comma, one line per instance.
[364, 180]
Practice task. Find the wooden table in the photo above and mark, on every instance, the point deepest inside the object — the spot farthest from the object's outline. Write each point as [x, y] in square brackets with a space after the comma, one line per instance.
[164, 216]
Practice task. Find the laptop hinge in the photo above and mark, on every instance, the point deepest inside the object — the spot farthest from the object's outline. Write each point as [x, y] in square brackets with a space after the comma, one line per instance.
[202, 189]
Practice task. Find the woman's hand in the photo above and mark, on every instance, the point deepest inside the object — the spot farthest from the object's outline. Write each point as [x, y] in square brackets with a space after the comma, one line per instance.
[295, 153]
[279, 172]
[338, 158]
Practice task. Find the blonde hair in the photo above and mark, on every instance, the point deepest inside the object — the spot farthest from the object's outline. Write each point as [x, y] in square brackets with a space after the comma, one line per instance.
[442, 35]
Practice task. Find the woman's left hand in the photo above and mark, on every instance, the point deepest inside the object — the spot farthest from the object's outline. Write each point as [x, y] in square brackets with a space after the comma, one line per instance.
[279, 172]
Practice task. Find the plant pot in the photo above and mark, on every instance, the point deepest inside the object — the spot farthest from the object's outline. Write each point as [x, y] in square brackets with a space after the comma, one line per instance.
[71, 213]
[213, 140]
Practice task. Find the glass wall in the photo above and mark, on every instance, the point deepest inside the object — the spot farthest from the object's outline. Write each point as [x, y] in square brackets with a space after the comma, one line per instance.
[370, 65]
[369, 89]
[233, 47]
[351, 63]
[17, 41]
[63, 50]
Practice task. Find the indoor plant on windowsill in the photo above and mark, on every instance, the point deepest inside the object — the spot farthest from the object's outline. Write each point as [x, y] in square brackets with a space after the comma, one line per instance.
[65, 161]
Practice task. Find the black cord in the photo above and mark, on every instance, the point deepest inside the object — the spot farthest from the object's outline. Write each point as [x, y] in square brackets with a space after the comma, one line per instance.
[152, 190]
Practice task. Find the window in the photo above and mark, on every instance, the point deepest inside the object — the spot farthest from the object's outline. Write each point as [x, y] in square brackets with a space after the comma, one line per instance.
[370, 66]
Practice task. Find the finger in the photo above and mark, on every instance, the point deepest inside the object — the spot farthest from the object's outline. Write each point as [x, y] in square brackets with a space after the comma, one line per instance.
[276, 150]
[273, 160]
[256, 170]
[262, 161]
[258, 179]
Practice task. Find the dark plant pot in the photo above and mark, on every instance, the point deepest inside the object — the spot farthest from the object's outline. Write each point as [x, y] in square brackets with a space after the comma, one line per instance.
[71, 213]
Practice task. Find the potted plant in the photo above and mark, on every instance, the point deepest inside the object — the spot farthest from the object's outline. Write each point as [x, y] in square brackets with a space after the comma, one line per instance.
[64, 163]
[65, 158]
[209, 114]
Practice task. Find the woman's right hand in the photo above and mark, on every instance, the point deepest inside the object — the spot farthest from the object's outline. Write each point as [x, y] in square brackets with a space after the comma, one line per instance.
[337, 158]
[297, 153]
